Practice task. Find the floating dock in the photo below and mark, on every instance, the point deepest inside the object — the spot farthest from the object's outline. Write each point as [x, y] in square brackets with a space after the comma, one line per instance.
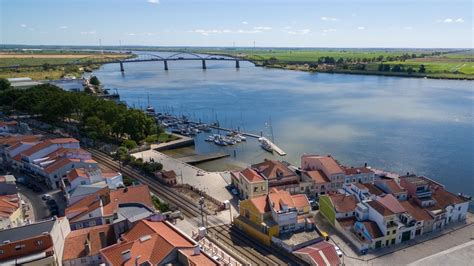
[200, 158]
[274, 147]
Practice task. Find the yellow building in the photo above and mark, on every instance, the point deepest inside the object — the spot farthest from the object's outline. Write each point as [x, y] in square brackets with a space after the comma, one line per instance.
[11, 212]
[249, 183]
[277, 212]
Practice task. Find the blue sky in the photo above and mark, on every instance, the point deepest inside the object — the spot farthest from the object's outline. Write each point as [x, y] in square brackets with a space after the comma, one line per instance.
[276, 23]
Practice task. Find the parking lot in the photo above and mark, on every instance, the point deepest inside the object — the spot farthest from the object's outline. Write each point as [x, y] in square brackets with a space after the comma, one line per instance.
[34, 192]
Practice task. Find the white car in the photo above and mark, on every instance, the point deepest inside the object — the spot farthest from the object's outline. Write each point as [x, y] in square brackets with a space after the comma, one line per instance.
[338, 251]
[46, 197]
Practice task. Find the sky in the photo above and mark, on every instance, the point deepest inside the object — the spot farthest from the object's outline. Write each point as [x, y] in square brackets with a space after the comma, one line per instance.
[263, 23]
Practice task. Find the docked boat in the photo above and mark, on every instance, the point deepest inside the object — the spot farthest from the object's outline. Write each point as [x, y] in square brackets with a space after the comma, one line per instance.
[265, 145]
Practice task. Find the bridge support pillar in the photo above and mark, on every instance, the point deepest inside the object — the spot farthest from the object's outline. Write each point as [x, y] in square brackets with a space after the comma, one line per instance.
[203, 64]
[237, 64]
[121, 67]
[166, 64]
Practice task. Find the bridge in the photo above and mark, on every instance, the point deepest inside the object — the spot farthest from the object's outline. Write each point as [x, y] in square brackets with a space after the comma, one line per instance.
[141, 57]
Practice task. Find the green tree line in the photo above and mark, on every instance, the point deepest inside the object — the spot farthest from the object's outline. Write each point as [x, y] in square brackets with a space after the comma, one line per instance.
[98, 118]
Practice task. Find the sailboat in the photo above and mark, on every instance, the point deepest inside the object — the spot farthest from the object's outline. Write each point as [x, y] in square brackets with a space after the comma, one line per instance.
[150, 110]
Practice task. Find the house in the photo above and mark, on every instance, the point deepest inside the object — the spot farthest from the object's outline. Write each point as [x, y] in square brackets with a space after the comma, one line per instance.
[155, 243]
[358, 175]
[11, 211]
[82, 247]
[271, 215]
[89, 176]
[166, 177]
[326, 164]
[53, 173]
[121, 207]
[249, 183]
[8, 127]
[277, 173]
[390, 186]
[320, 183]
[337, 206]
[40, 243]
[320, 254]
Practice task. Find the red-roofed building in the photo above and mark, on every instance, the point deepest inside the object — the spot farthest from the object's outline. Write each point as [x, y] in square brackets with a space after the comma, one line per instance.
[90, 176]
[122, 207]
[249, 183]
[320, 254]
[82, 247]
[390, 186]
[331, 168]
[358, 175]
[155, 243]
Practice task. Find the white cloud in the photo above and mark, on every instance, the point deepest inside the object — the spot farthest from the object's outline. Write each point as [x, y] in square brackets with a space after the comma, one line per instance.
[408, 28]
[63, 27]
[262, 28]
[131, 34]
[92, 32]
[245, 22]
[154, 1]
[329, 30]
[299, 32]
[287, 28]
[23, 25]
[361, 28]
[451, 20]
[32, 29]
[329, 19]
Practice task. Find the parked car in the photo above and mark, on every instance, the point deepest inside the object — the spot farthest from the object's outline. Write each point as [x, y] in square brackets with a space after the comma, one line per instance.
[338, 251]
[46, 196]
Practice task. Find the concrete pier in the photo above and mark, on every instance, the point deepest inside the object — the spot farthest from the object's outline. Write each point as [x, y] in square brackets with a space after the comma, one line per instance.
[237, 64]
[166, 64]
[121, 67]
[200, 158]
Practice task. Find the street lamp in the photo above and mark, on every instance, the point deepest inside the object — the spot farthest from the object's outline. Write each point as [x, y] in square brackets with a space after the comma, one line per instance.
[201, 203]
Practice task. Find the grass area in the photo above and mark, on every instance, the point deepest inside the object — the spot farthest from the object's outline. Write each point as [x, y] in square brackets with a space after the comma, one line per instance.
[44, 61]
[438, 63]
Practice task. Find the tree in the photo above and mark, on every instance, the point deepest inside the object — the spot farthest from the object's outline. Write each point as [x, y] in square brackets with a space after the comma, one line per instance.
[94, 81]
[410, 70]
[129, 144]
[422, 69]
[380, 67]
[4, 84]
[397, 68]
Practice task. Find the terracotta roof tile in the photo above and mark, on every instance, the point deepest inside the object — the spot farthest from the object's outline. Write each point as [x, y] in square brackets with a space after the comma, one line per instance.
[272, 169]
[75, 243]
[343, 203]
[384, 211]
[132, 194]
[389, 201]
[373, 229]
[318, 250]
[328, 162]
[261, 203]
[373, 189]
[251, 175]
[318, 176]
[8, 205]
[415, 211]
[300, 200]
[356, 170]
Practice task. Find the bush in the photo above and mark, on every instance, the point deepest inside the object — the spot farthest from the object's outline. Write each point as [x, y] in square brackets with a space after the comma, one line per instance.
[129, 144]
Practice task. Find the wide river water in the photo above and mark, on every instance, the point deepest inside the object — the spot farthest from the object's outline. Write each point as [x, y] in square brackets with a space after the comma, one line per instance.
[421, 126]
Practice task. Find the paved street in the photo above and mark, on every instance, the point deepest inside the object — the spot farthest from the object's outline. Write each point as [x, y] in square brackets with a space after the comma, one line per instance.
[410, 251]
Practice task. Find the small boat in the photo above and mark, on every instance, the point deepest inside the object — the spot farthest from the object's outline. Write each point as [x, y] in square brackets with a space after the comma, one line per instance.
[210, 139]
[241, 137]
[150, 110]
[265, 145]
[220, 142]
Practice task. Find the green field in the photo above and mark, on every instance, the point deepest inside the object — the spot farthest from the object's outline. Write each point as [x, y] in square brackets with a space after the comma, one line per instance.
[438, 63]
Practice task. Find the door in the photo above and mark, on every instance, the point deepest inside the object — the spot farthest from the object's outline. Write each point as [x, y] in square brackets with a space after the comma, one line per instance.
[406, 236]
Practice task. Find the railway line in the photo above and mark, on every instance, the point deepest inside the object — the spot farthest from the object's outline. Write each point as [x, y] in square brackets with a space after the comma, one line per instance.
[249, 250]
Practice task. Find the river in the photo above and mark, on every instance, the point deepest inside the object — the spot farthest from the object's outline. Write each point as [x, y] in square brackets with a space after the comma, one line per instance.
[421, 126]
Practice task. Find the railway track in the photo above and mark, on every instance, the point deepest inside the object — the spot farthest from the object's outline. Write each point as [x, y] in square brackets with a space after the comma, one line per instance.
[240, 243]
[248, 249]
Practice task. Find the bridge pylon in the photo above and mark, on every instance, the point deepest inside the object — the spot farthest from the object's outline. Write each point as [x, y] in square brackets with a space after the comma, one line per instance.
[203, 64]
[237, 64]
[166, 64]
[122, 69]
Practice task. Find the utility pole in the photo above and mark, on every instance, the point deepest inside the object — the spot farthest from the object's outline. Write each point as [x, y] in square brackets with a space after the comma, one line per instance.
[254, 44]
[201, 203]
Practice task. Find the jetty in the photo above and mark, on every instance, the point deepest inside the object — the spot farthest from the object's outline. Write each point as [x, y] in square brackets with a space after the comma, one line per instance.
[200, 158]
[275, 148]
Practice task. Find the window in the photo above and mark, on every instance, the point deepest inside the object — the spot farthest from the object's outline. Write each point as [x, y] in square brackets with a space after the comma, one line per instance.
[19, 247]
[388, 233]
[83, 260]
[90, 215]
[393, 241]
[255, 189]
[92, 223]
[39, 242]
[394, 231]
[1, 251]
[83, 182]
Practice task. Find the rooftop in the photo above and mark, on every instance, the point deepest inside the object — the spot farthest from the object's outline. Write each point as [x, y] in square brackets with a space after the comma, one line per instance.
[343, 203]
[357, 170]
[321, 253]
[318, 176]
[251, 175]
[273, 169]
[88, 241]
[328, 163]
[391, 203]
[415, 211]
[384, 211]
[297, 238]
[372, 229]
[27, 231]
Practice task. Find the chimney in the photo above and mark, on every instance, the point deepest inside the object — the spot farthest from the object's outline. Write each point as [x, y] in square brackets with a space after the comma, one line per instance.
[125, 255]
[197, 250]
